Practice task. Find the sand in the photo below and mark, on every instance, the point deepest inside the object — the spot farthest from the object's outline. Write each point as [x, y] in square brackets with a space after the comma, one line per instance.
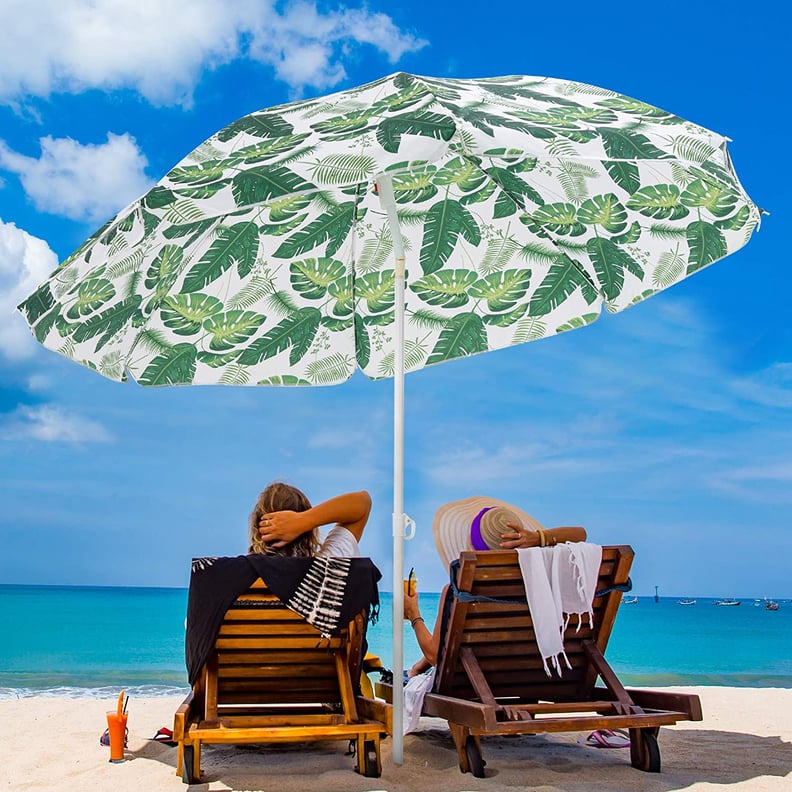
[743, 743]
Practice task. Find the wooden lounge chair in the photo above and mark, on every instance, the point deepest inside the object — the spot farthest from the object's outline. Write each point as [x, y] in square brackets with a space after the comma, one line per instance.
[490, 679]
[271, 677]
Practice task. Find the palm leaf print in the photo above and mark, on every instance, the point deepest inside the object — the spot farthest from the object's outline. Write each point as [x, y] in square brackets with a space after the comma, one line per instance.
[448, 288]
[446, 221]
[414, 356]
[562, 279]
[234, 245]
[332, 227]
[375, 251]
[464, 334]
[433, 125]
[296, 332]
[343, 169]
[175, 366]
[311, 277]
[670, 268]
[259, 185]
[326, 371]
[706, 244]
[262, 125]
[502, 290]
[610, 262]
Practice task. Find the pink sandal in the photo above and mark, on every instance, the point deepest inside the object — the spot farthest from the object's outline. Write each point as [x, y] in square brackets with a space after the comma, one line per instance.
[609, 738]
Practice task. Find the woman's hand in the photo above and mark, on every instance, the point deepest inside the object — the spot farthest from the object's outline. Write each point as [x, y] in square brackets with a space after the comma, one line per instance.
[518, 537]
[281, 527]
[411, 609]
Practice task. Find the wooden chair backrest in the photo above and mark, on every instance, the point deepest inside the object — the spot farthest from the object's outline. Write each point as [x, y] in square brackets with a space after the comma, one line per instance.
[501, 634]
[267, 654]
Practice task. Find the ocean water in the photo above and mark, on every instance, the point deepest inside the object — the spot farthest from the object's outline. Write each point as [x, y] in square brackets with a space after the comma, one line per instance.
[86, 641]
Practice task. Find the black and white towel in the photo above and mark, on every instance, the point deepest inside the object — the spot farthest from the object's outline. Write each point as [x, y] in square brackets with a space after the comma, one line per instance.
[326, 592]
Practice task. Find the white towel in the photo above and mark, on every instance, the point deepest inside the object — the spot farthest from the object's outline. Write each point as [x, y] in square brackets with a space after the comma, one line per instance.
[559, 581]
[414, 692]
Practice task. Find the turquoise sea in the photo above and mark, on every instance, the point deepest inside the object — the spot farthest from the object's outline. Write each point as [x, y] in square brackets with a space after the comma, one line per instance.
[91, 641]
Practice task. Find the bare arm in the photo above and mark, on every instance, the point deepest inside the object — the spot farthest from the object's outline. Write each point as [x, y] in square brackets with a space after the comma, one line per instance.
[350, 510]
[429, 642]
[521, 537]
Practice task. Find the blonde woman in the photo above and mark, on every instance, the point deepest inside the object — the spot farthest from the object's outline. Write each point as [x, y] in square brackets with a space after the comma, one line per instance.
[284, 523]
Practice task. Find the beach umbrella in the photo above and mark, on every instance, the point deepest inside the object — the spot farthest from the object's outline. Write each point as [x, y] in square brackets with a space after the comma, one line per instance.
[390, 227]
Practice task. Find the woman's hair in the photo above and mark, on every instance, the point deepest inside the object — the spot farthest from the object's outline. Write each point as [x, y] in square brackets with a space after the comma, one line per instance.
[281, 497]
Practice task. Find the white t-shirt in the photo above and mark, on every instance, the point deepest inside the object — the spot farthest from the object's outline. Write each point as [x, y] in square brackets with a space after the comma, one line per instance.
[340, 542]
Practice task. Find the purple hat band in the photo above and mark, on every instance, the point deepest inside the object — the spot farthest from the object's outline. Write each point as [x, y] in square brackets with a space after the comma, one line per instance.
[475, 531]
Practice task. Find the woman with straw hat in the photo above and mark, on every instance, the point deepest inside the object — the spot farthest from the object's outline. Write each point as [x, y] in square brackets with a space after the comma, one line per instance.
[477, 523]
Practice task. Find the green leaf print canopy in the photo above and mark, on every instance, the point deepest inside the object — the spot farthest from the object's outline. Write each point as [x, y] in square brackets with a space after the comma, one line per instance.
[391, 227]
[525, 205]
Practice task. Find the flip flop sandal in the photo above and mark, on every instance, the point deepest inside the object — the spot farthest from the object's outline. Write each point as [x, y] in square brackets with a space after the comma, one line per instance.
[105, 738]
[608, 738]
[165, 736]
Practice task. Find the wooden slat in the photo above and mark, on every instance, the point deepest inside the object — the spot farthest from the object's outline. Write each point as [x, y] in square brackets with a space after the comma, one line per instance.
[281, 614]
[285, 656]
[262, 642]
[273, 628]
[314, 671]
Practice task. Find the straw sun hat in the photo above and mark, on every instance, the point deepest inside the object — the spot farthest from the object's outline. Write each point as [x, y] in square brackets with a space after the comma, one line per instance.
[475, 524]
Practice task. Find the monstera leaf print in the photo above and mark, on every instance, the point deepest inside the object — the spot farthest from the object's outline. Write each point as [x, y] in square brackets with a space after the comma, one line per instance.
[525, 206]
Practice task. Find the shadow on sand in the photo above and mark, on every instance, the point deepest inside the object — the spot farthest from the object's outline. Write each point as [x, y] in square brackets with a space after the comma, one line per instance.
[562, 763]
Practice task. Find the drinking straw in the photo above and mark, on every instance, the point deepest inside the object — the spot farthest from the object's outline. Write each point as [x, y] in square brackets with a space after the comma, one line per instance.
[120, 707]
[126, 701]
[409, 579]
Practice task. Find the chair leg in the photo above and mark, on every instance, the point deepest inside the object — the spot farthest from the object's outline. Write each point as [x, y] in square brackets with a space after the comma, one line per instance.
[191, 769]
[369, 760]
[460, 735]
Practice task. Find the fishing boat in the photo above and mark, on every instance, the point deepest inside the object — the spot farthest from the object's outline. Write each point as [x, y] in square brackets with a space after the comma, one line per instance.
[771, 605]
[728, 601]
[686, 602]
[629, 601]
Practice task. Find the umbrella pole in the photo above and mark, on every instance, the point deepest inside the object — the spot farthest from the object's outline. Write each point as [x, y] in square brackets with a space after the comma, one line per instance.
[388, 203]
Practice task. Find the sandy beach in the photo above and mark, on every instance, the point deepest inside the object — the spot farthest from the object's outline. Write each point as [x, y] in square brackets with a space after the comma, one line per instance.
[743, 743]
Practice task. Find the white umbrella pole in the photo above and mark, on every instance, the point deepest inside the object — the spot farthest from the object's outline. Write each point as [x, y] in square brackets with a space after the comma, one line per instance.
[385, 190]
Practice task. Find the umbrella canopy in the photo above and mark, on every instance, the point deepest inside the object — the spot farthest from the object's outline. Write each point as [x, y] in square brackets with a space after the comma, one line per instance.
[390, 227]
[264, 257]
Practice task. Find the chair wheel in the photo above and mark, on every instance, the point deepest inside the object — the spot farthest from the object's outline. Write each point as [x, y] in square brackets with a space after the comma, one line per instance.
[188, 757]
[649, 758]
[475, 760]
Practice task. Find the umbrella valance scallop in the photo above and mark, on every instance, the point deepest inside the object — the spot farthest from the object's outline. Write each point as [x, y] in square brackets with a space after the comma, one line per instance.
[526, 205]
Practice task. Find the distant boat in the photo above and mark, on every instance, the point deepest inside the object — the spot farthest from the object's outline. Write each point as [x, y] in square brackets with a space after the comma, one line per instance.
[686, 602]
[629, 601]
[728, 601]
[771, 605]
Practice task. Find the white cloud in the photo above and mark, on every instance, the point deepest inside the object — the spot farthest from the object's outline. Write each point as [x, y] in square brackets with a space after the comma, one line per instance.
[302, 43]
[25, 261]
[771, 387]
[83, 182]
[52, 425]
[161, 48]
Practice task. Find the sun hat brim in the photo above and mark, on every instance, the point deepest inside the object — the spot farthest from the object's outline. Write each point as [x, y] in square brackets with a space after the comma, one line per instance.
[452, 521]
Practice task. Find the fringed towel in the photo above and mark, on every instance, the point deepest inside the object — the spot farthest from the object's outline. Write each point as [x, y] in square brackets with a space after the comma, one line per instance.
[559, 581]
[326, 592]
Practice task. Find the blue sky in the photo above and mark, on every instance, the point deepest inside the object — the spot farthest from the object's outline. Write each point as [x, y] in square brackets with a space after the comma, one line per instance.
[668, 426]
